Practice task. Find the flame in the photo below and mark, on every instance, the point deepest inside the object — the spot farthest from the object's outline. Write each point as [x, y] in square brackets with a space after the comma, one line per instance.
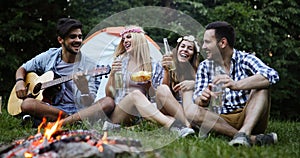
[103, 140]
[50, 129]
[41, 125]
[28, 155]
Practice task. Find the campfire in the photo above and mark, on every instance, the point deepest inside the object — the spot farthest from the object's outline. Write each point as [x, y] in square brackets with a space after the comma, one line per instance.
[55, 142]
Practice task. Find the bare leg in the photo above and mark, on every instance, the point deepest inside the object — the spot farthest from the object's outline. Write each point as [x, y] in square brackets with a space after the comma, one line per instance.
[134, 103]
[170, 105]
[209, 120]
[39, 109]
[99, 110]
[257, 111]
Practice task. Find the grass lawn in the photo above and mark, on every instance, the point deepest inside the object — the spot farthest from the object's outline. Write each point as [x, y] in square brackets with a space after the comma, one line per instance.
[164, 144]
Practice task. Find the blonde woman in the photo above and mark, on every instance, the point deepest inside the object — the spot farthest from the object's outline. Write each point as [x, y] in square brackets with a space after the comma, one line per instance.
[131, 100]
[133, 55]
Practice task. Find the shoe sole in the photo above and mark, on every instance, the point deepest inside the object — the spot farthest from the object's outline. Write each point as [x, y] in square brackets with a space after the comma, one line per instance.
[238, 142]
[187, 133]
[275, 138]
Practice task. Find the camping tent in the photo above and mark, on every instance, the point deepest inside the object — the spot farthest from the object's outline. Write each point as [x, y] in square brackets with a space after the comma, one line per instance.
[101, 45]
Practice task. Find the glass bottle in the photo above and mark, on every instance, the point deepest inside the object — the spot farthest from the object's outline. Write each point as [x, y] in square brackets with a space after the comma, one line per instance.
[169, 53]
[217, 101]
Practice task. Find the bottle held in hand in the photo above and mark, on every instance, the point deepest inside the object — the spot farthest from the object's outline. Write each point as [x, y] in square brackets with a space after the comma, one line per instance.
[169, 53]
[118, 80]
[216, 101]
[118, 77]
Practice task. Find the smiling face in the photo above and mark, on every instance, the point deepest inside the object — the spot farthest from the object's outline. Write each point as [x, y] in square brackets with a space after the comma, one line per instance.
[210, 45]
[72, 42]
[127, 42]
[185, 51]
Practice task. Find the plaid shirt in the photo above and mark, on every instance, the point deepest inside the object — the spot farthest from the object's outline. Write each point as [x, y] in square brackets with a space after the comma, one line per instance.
[243, 65]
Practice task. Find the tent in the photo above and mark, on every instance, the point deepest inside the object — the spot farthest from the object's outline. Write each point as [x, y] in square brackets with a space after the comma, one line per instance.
[100, 46]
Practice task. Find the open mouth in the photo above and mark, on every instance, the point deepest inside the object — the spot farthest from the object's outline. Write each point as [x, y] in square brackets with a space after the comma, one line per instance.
[127, 46]
[183, 55]
[76, 45]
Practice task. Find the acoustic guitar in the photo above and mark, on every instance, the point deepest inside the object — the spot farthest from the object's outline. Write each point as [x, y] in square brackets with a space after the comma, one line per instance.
[37, 86]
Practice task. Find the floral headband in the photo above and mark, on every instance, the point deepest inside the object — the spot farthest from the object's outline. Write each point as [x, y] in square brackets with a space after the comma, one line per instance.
[190, 38]
[132, 30]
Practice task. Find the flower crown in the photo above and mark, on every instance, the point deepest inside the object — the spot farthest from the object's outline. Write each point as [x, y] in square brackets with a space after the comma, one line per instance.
[190, 38]
[132, 30]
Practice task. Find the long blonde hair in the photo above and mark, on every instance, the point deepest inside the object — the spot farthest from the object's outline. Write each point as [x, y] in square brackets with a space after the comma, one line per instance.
[140, 51]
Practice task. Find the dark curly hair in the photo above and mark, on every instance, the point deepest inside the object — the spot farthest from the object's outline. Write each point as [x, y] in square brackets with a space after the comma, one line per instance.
[65, 25]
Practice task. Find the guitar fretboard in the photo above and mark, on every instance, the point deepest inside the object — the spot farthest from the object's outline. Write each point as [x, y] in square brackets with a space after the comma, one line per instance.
[99, 71]
[56, 81]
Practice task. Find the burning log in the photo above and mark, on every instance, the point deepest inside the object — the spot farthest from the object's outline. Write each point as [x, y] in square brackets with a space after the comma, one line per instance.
[80, 143]
[64, 143]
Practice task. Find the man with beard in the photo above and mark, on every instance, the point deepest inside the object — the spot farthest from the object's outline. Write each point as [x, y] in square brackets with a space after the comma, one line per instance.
[245, 81]
[70, 96]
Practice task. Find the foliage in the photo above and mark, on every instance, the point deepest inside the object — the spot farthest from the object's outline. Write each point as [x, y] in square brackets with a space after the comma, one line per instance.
[270, 28]
[27, 28]
[278, 44]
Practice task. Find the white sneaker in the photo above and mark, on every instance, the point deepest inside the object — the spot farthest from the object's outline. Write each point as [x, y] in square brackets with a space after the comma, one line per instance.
[240, 139]
[182, 132]
[108, 126]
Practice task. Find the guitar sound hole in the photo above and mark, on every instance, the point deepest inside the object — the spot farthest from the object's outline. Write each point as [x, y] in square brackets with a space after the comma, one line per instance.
[37, 88]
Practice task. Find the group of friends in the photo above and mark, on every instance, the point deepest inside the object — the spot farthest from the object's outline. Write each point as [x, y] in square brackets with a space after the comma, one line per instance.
[181, 96]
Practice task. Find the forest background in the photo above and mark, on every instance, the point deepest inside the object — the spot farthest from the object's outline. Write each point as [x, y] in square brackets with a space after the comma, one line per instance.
[268, 28]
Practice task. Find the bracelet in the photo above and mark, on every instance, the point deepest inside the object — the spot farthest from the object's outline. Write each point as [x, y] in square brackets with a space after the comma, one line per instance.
[19, 79]
[85, 95]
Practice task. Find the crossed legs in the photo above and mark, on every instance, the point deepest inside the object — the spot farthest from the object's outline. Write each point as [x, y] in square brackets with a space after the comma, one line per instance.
[39, 109]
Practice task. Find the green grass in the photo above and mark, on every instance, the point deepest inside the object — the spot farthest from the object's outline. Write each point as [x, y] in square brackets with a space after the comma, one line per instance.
[164, 144]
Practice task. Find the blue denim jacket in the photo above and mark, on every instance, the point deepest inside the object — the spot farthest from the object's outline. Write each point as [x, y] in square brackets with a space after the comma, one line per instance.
[47, 61]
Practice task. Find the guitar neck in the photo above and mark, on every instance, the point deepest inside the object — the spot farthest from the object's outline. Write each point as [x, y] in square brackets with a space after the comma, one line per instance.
[56, 81]
[99, 71]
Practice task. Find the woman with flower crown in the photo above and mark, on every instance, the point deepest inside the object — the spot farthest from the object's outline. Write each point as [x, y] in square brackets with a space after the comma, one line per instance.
[176, 92]
[132, 55]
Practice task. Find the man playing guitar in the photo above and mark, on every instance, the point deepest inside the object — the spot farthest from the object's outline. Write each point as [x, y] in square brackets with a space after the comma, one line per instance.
[72, 95]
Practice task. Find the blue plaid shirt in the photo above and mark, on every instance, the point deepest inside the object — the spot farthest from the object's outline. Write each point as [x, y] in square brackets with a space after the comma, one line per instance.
[243, 65]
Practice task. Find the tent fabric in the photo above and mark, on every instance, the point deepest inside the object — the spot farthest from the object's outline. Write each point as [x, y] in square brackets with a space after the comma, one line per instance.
[101, 45]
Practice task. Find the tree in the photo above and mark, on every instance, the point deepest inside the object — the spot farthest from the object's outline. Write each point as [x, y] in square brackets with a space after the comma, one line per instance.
[270, 28]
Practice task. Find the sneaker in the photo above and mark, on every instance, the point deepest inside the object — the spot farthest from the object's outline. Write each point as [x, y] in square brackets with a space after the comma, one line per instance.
[108, 126]
[240, 139]
[202, 135]
[26, 119]
[266, 139]
[180, 129]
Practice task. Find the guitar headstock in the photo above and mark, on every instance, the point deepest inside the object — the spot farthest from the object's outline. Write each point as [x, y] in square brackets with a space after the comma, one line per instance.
[100, 70]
